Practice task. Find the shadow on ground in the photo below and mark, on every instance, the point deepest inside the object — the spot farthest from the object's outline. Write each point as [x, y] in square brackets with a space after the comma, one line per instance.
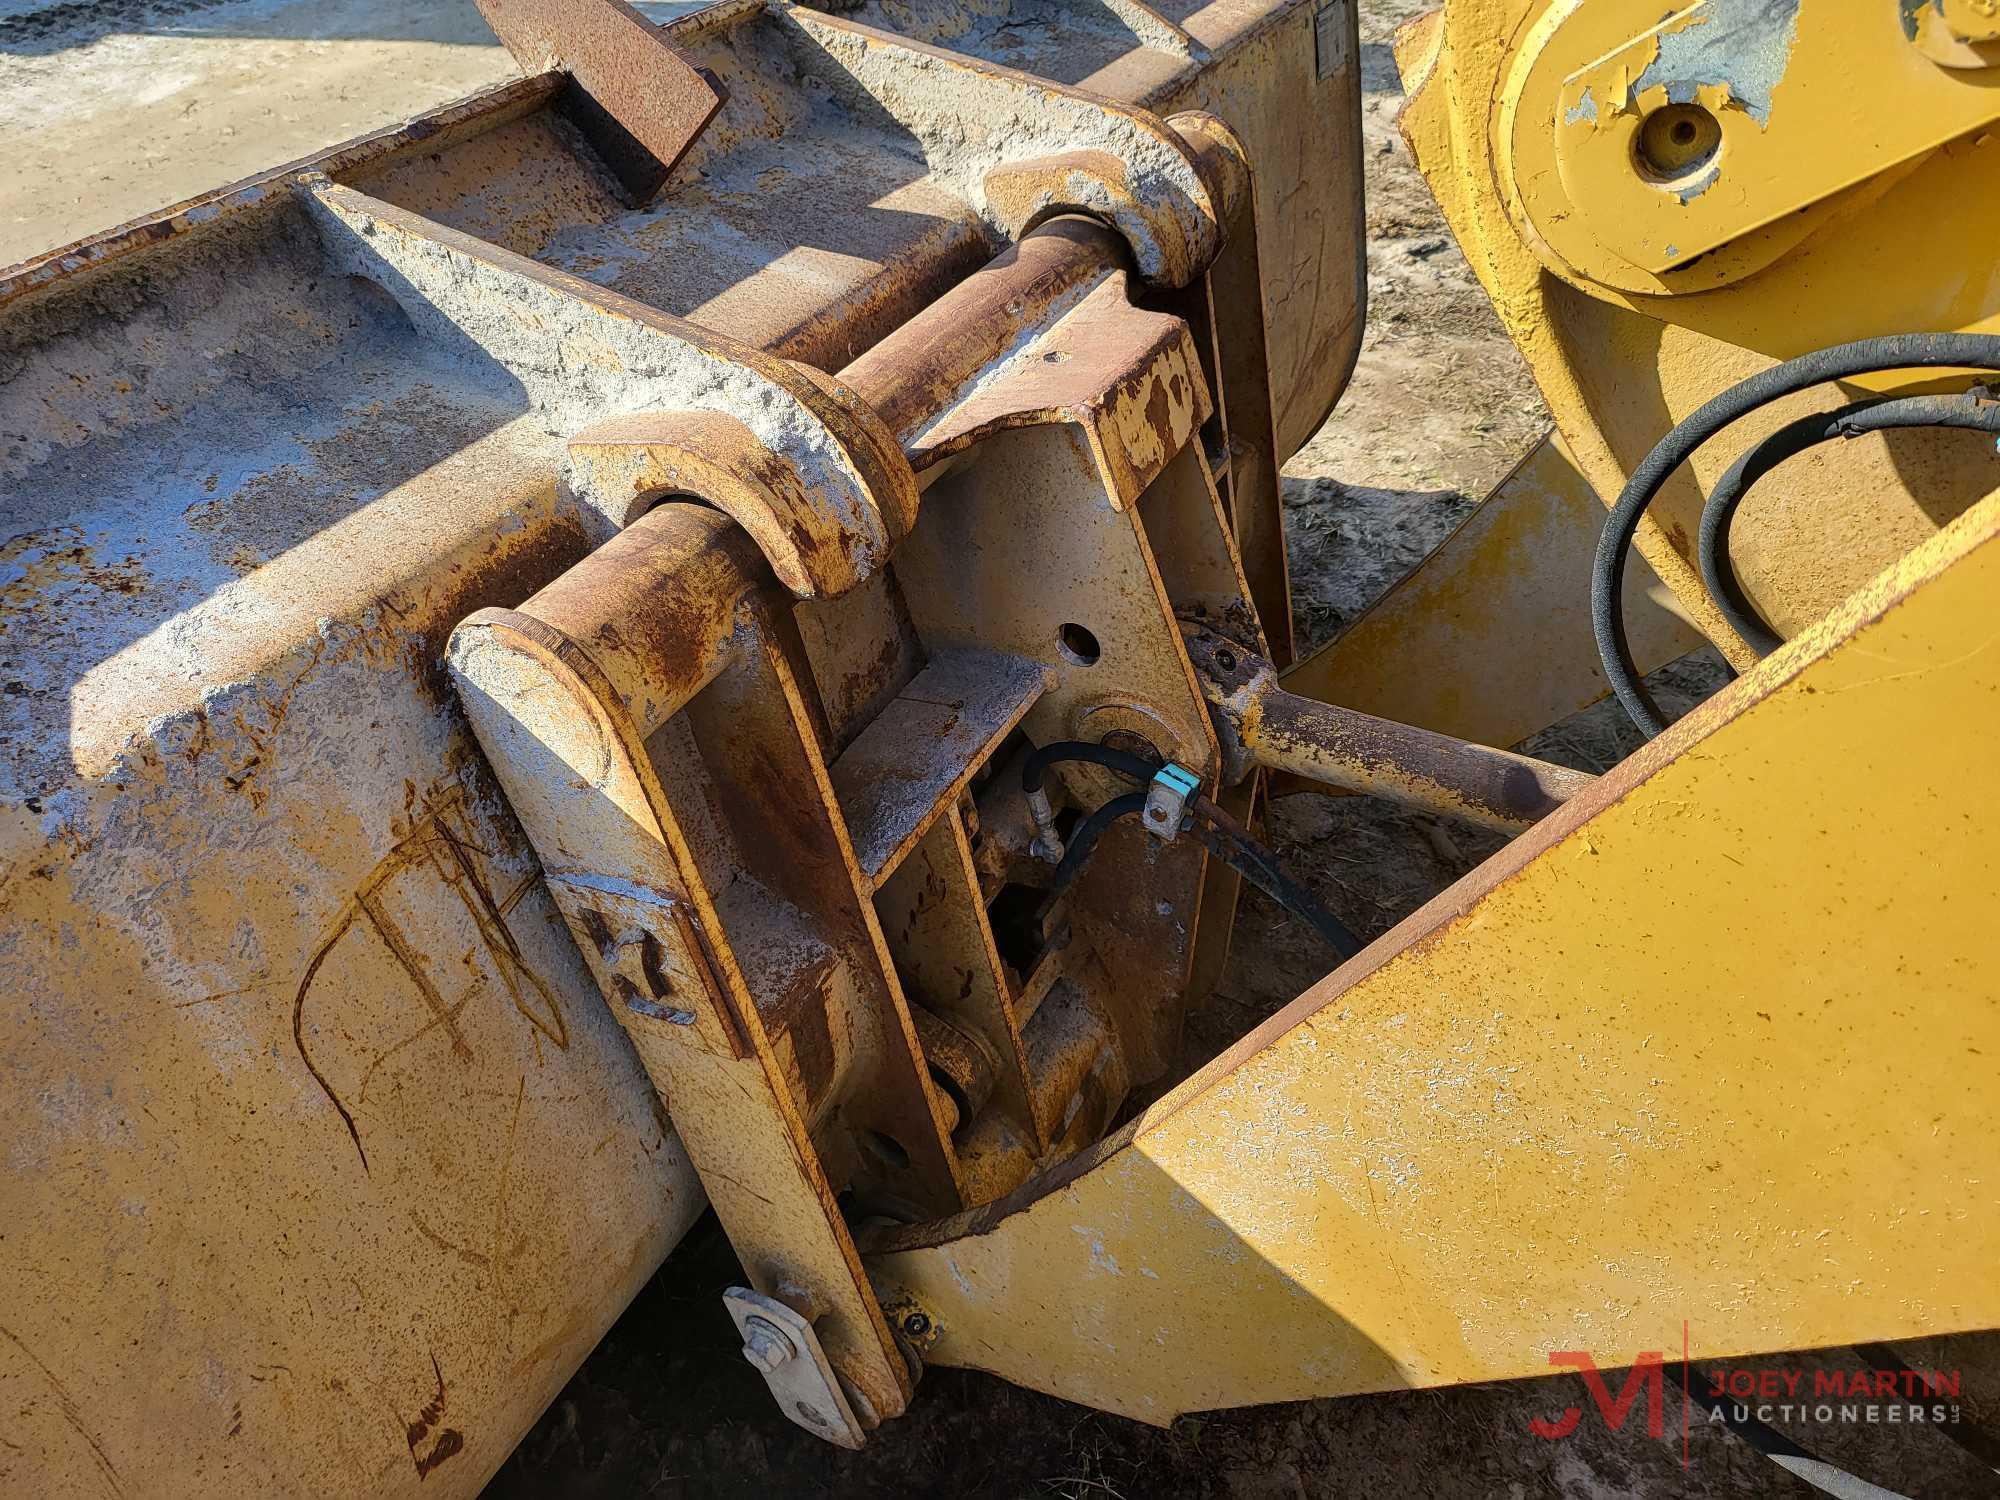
[667, 1407]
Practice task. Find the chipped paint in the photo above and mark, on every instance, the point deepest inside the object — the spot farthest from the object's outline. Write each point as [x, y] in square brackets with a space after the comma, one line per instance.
[1740, 46]
[1683, 102]
[1100, 1258]
[959, 1276]
[1688, 191]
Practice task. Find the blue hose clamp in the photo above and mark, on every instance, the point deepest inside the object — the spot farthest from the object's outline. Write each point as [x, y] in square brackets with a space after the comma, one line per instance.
[1167, 797]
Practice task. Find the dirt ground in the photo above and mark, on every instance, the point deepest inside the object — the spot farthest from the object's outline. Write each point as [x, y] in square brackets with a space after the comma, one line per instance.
[163, 100]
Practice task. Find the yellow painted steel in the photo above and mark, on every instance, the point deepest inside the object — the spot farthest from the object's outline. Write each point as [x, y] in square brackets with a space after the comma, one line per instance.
[1629, 144]
[1489, 638]
[1713, 1043]
[1904, 245]
[1965, 20]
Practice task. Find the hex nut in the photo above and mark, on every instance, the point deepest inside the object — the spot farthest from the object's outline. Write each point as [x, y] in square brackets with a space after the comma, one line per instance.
[766, 1345]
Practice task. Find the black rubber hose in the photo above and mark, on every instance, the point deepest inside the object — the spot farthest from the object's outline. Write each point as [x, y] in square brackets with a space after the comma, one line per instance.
[1907, 351]
[1035, 768]
[1081, 842]
[1719, 573]
[1231, 843]
[1222, 835]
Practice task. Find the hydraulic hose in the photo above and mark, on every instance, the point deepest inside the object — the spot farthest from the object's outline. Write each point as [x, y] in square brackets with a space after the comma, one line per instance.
[1034, 770]
[1231, 843]
[1224, 837]
[1081, 842]
[1717, 570]
[1908, 351]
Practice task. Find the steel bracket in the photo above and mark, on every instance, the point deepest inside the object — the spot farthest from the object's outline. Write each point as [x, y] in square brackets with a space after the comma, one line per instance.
[818, 541]
[781, 1344]
[1123, 165]
[776, 886]
[1271, 1231]
[646, 103]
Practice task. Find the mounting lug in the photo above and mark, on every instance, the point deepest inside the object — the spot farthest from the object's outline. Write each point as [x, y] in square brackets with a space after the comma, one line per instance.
[783, 1347]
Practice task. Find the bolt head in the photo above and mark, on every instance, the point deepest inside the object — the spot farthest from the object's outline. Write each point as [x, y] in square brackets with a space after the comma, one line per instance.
[916, 1325]
[766, 1345]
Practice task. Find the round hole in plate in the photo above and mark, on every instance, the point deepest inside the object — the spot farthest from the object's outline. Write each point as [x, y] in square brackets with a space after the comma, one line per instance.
[885, 1149]
[1078, 645]
[1676, 141]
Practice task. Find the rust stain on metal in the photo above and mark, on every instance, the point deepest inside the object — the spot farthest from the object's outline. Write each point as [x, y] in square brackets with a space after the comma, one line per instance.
[449, 1441]
[440, 129]
[1269, 727]
[1130, 380]
[437, 839]
[695, 570]
[642, 90]
[922, 367]
[351, 386]
[628, 462]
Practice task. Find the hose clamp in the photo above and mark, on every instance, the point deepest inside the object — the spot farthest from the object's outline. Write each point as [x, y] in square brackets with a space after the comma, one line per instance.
[1167, 797]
